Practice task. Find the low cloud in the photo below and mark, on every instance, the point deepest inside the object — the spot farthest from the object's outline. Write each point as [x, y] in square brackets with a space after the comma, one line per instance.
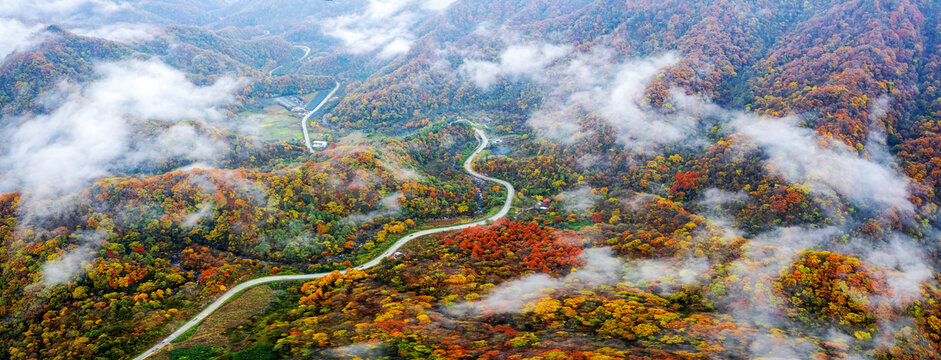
[66, 267]
[593, 85]
[580, 198]
[190, 221]
[388, 205]
[509, 297]
[88, 136]
[60, 9]
[641, 201]
[516, 61]
[128, 33]
[601, 268]
[751, 303]
[360, 351]
[384, 26]
[765, 256]
[905, 266]
[825, 164]
[801, 155]
[764, 345]
[178, 141]
[18, 36]
[715, 206]
[750, 298]
[876, 140]
[153, 90]
[212, 181]
[714, 198]
[667, 275]
[777, 248]
[400, 172]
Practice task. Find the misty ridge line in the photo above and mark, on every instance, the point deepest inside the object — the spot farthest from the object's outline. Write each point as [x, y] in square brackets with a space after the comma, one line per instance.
[800, 155]
[90, 134]
[597, 84]
[378, 18]
[517, 61]
[383, 27]
[625, 76]
[87, 135]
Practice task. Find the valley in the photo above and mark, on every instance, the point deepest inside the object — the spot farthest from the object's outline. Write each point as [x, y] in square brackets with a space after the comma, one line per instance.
[388, 254]
[461, 179]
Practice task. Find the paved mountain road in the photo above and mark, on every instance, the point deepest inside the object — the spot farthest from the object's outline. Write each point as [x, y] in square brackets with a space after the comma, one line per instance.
[306, 52]
[484, 142]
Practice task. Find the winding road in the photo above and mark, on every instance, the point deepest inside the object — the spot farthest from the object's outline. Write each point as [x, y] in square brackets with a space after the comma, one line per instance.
[306, 52]
[484, 142]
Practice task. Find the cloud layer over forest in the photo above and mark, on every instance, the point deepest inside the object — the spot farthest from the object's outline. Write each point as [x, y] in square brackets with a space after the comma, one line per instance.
[87, 135]
[582, 87]
[384, 26]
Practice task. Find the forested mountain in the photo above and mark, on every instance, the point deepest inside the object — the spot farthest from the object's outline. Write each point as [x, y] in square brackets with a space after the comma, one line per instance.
[723, 179]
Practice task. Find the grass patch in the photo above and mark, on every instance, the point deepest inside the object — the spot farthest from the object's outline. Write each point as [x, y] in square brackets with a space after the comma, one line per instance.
[211, 331]
[277, 123]
[280, 124]
[185, 335]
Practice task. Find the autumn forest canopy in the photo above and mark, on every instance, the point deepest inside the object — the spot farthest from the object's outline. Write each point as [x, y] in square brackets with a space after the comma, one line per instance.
[468, 179]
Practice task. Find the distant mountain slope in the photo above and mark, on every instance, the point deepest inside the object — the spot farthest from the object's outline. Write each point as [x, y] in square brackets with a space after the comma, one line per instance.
[63, 56]
[205, 52]
[718, 179]
[831, 62]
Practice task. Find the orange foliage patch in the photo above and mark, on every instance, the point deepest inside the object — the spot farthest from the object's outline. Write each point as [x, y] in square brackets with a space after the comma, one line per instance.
[533, 247]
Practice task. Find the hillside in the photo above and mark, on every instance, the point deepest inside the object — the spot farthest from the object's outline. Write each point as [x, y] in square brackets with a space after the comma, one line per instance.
[722, 179]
